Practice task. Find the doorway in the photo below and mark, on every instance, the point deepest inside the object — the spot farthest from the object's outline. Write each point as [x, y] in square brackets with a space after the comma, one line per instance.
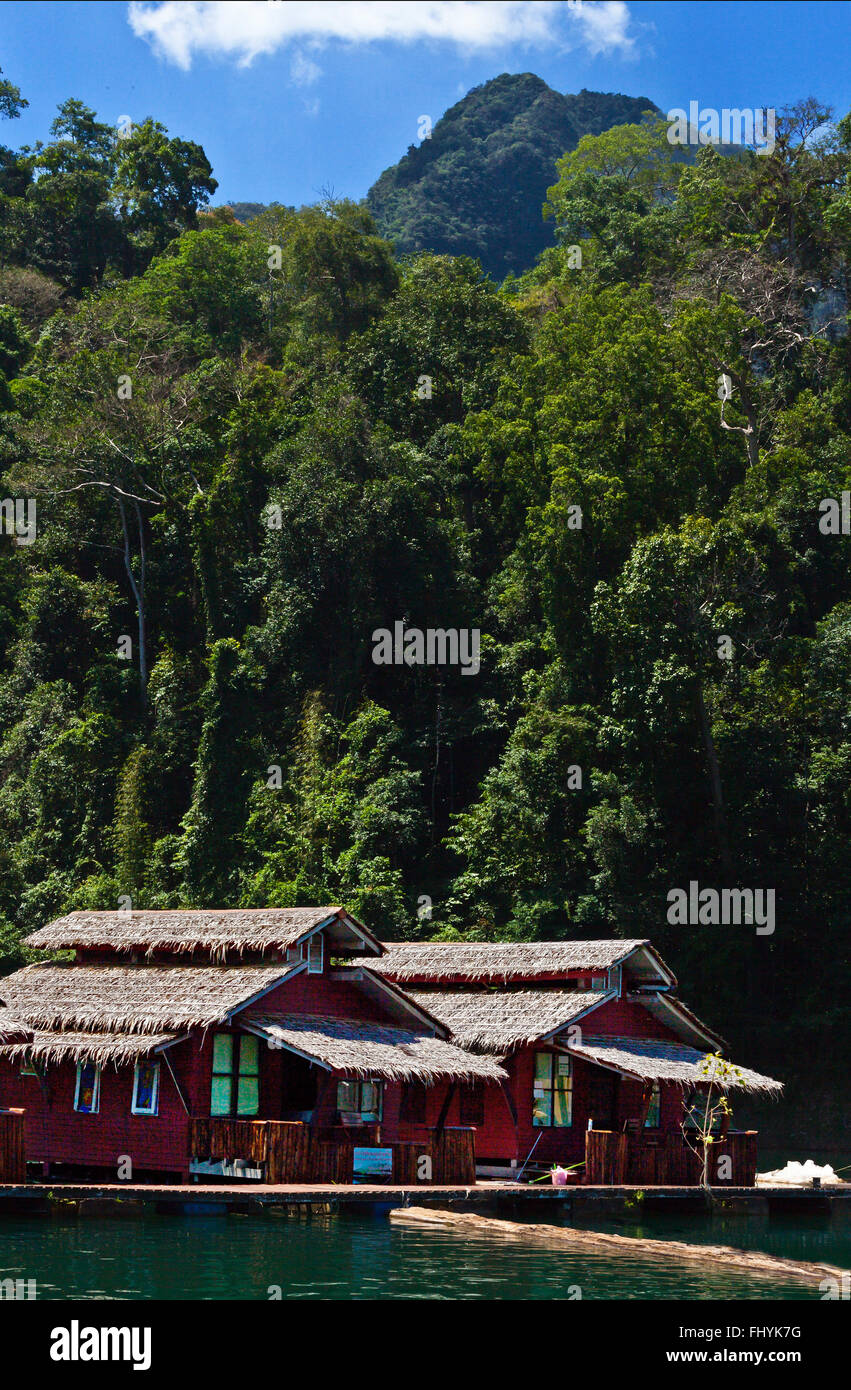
[602, 1098]
[299, 1084]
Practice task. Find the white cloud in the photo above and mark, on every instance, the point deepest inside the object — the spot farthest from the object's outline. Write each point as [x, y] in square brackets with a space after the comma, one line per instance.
[603, 27]
[303, 71]
[242, 30]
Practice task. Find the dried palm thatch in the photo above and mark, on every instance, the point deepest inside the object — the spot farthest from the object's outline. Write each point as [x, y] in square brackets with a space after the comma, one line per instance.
[495, 960]
[134, 998]
[651, 1059]
[211, 932]
[500, 1020]
[357, 1048]
[12, 1030]
[673, 1013]
[88, 1047]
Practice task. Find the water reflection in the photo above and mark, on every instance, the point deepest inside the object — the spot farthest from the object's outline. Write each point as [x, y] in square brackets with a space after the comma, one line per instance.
[357, 1257]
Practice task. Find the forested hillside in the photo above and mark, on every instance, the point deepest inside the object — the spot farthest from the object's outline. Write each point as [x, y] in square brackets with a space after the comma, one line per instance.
[475, 184]
[240, 475]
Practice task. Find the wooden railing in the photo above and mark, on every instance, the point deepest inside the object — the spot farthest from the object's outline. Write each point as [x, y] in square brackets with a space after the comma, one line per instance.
[617, 1159]
[290, 1151]
[13, 1161]
[452, 1154]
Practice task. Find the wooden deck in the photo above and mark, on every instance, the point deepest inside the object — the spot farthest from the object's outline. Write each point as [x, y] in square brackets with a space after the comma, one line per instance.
[129, 1199]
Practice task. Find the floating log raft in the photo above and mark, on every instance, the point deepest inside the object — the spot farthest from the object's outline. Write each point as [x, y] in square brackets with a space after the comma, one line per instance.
[745, 1261]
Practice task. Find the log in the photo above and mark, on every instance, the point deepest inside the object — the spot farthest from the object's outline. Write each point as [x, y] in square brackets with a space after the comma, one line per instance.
[746, 1261]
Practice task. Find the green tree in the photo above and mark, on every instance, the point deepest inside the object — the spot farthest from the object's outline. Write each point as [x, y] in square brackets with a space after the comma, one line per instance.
[209, 853]
[160, 184]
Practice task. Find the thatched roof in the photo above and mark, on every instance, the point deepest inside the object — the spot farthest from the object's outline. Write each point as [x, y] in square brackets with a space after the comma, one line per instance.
[499, 1020]
[212, 932]
[357, 1048]
[88, 1047]
[494, 960]
[674, 1014]
[654, 1060]
[12, 1030]
[134, 998]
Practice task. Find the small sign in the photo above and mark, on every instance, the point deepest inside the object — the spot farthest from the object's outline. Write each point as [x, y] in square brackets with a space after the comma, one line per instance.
[374, 1163]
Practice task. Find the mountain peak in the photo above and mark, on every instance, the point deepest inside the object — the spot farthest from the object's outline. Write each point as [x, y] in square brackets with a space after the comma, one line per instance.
[477, 186]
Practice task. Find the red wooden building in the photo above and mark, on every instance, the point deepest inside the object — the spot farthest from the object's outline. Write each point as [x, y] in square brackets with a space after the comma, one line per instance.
[290, 1044]
[591, 1034]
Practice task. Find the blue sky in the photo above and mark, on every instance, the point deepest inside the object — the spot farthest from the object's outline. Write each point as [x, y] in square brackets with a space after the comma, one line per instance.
[293, 99]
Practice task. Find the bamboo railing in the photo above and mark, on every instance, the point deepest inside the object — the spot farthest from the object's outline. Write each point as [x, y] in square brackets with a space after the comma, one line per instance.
[613, 1159]
[290, 1151]
[13, 1161]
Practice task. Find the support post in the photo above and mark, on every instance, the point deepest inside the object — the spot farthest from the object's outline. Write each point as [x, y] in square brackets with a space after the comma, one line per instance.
[444, 1109]
[509, 1100]
[323, 1093]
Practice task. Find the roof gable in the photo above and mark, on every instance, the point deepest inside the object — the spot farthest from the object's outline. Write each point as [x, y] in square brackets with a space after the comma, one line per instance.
[674, 1015]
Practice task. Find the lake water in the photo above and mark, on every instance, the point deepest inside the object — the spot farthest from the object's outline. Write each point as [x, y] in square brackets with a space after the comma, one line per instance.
[365, 1257]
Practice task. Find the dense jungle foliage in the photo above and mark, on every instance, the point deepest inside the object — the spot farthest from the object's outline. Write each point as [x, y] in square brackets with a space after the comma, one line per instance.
[239, 478]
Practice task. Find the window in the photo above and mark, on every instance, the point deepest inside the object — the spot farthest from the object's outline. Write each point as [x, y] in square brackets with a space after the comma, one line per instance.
[691, 1110]
[414, 1103]
[87, 1094]
[359, 1101]
[654, 1109]
[472, 1105]
[314, 950]
[694, 1108]
[552, 1098]
[146, 1088]
[236, 1074]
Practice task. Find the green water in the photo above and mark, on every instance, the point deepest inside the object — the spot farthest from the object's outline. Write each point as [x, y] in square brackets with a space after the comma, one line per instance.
[365, 1257]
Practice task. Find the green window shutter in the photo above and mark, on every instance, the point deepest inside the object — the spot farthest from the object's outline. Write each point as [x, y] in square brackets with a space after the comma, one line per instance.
[222, 1052]
[220, 1098]
[248, 1095]
[249, 1055]
[248, 1085]
[562, 1091]
[542, 1091]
